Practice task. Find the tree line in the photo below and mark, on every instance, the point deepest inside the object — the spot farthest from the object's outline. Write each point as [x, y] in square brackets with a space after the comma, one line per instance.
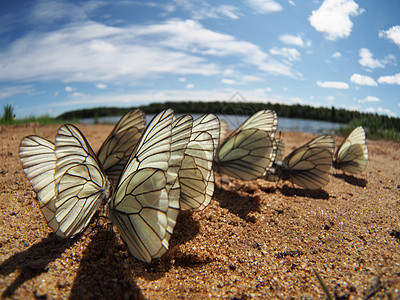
[380, 125]
[234, 108]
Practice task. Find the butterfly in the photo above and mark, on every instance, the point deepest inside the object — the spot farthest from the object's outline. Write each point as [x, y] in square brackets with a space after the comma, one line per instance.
[38, 159]
[352, 154]
[145, 203]
[248, 152]
[67, 178]
[120, 143]
[196, 175]
[308, 166]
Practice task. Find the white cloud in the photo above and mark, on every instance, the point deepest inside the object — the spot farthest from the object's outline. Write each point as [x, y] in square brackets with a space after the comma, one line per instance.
[44, 56]
[251, 78]
[367, 60]
[48, 11]
[292, 3]
[278, 68]
[10, 91]
[102, 53]
[76, 94]
[332, 18]
[101, 86]
[297, 100]
[69, 89]
[133, 99]
[330, 98]
[369, 99]
[370, 110]
[363, 80]
[392, 79]
[182, 79]
[190, 86]
[333, 84]
[292, 40]
[264, 6]
[392, 34]
[385, 111]
[337, 55]
[228, 81]
[228, 72]
[289, 53]
[380, 110]
[202, 10]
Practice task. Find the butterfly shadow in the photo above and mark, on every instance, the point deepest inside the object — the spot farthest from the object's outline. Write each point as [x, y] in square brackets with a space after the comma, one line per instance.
[103, 271]
[352, 180]
[236, 202]
[395, 234]
[291, 191]
[185, 230]
[33, 261]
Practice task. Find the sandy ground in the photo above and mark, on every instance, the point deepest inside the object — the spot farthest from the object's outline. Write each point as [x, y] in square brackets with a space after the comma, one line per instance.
[255, 239]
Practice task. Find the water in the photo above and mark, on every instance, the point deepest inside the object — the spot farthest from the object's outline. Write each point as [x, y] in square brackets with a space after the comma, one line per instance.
[284, 124]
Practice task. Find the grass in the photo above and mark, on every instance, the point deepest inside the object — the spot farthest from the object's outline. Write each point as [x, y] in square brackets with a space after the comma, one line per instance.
[372, 130]
[323, 285]
[8, 115]
[42, 120]
[8, 118]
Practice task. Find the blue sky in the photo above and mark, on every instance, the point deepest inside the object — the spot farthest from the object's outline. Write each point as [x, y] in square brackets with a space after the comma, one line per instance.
[57, 56]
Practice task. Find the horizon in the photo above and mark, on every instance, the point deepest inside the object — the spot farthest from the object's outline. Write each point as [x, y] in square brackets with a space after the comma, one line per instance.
[58, 56]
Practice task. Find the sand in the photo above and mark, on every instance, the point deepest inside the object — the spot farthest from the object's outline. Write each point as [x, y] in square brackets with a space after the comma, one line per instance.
[256, 239]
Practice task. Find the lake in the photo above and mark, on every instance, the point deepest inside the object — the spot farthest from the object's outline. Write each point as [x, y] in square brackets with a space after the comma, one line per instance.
[284, 124]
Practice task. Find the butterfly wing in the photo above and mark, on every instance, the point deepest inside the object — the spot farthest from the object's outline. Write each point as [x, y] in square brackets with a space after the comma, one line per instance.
[266, 120]
[310, 165]
[352, 155]
[196, 174]
[80, 183]
[121, 142]
[224, 131]
[246, 154]
[39, 163]
[208, 123]
[180, 135]
[141, 207]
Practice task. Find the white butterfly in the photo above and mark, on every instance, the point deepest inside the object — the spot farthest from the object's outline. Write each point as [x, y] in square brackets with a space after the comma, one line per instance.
[308, 166]
[145, 204]
[196, 175]
[248, 152]
[38, 159]
[67, 178]
[143, 207]
[118, 146]
[352, 154]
